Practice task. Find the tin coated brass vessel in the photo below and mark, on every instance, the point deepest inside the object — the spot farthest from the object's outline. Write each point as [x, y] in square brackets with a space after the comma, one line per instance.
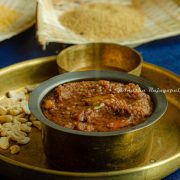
[73, 150]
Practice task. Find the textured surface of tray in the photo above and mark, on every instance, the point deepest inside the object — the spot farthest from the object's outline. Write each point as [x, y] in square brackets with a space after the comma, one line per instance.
[164, 154]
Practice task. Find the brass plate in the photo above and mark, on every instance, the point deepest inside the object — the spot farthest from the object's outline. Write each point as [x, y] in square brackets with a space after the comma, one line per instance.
[163, 157]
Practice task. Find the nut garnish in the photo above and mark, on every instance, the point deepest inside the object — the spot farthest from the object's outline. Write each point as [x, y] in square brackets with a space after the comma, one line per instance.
[16, 120]
[14, 149]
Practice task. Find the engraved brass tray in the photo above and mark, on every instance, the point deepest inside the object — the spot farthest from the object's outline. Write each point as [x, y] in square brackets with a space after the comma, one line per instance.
[163, 157]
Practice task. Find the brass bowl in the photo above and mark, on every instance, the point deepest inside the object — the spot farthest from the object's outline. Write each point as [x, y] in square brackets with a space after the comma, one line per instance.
[101, 56]
[72, 150]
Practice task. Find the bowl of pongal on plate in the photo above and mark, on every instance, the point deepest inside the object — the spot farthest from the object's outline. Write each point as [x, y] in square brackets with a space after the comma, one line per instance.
[96, 120]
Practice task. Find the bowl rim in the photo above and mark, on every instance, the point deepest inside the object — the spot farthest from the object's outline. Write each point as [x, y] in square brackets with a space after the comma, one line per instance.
[36, 97]
[81, 46]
